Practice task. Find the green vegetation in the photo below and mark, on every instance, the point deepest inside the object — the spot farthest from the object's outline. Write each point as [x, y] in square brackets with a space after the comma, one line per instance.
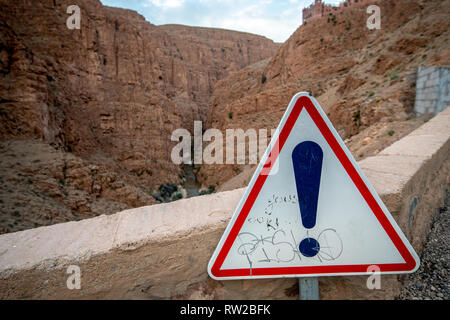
[348, 26]
[394, 76]
[333, 19]
[167, 190]
[356, 116]
[210, 190]
[177, 196]
[263, 79]
[230, 115]
[166, 193]
[391, 132]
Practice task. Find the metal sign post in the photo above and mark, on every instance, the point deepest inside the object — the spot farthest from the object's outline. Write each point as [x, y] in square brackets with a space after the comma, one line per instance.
[308, 288]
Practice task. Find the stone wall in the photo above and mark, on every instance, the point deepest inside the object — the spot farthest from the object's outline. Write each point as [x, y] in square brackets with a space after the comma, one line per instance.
[162, 251]
[432, 89]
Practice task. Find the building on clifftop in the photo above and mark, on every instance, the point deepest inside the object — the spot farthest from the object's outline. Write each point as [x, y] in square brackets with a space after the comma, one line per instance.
[320, 9]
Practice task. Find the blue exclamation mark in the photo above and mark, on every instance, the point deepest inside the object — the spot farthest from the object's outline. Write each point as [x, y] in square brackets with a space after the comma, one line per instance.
[307, 159]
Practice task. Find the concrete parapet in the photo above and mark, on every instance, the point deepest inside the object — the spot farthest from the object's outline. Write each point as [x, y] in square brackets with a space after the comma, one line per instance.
[161, 251]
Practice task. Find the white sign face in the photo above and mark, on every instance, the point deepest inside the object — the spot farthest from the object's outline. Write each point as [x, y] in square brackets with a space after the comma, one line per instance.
[309, 210]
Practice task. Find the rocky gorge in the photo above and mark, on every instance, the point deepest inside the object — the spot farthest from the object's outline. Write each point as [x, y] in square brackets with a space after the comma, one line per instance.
[87, 115]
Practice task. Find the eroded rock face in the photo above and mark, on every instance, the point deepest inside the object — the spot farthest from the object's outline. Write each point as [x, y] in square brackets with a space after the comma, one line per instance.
[40, 185]
[118, 86]
[112, 92]
[363, 79]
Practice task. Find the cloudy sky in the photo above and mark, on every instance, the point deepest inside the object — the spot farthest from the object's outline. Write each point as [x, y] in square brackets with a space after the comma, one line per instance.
[275, 19]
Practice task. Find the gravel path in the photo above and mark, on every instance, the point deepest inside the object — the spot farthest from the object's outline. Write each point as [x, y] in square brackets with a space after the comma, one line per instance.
[431, 282]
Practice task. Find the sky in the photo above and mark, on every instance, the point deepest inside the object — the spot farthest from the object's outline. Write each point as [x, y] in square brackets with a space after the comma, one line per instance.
[274, 19]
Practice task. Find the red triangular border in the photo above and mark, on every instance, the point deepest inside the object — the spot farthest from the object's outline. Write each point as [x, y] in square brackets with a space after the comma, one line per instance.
[305, 102]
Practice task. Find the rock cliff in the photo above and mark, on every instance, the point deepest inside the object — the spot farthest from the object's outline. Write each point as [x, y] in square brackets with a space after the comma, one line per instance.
[364, 79]
[111, 93]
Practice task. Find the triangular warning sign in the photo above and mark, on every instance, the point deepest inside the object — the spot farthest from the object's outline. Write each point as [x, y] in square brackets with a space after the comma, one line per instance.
[310, 211]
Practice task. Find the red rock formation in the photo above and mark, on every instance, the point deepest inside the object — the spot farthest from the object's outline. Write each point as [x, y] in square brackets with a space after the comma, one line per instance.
[363, 79]
[107, 96]
[118, 87]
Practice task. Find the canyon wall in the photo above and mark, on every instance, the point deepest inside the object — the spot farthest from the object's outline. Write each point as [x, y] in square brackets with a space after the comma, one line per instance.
[364, 79]
[109, 94]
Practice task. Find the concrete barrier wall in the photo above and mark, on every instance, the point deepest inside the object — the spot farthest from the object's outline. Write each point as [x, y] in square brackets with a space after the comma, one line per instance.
[432, 90]
[161, 251]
